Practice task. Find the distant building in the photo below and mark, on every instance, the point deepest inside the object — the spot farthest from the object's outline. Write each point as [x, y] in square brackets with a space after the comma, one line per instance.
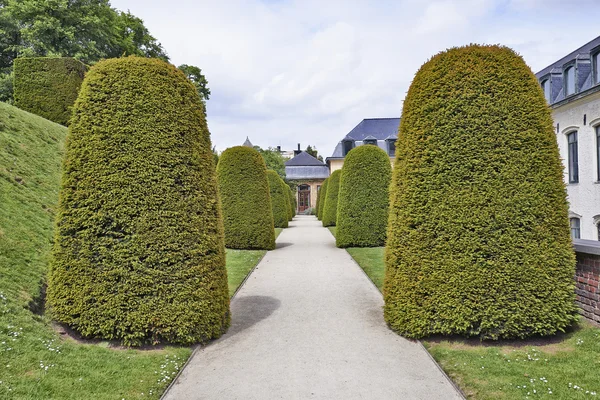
[248, 143]
[571, 86]
[381, 132]
[309, 173]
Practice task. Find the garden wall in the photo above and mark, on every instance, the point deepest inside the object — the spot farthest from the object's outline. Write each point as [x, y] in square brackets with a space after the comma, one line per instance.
[587, 278]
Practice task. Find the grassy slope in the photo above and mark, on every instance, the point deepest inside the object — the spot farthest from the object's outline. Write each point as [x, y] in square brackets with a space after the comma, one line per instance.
[564, 367]
[38, 363]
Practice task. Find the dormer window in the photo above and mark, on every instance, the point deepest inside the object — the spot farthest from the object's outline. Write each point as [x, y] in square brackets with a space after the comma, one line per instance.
[347, 145]
[569, 79]
[370, 141]
[391, 147]
[546, 88]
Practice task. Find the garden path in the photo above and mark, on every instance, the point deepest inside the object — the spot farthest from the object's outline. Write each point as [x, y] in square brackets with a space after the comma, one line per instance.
[308, 324]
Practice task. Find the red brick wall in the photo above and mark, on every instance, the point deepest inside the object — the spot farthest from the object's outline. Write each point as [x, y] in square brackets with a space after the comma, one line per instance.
[588, 290]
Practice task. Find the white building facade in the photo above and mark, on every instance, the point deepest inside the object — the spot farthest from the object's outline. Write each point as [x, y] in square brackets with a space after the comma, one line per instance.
[572, 88]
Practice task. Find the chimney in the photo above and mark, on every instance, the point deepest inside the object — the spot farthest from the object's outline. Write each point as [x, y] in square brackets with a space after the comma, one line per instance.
[298, 146]
[279, 149]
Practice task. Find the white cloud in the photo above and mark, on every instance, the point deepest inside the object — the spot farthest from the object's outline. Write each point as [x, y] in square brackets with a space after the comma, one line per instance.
[308, 71]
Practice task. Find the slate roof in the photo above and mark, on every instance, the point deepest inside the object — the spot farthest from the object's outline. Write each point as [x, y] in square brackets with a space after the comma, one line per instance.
[305, 167]
[380, 129]
[303, 159]
[248, 143]
[583, 79]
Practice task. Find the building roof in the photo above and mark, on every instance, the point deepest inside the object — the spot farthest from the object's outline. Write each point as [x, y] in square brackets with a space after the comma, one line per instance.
[303, 159]
[248, 143]
[580, 58]
[374, 128]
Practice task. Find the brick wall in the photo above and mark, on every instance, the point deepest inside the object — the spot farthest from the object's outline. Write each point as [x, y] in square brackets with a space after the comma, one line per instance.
[588, 290]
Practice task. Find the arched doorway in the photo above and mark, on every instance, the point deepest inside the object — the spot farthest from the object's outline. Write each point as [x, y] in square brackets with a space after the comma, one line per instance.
[303, 197]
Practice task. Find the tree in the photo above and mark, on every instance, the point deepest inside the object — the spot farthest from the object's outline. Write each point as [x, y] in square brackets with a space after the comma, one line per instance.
[478, 236]
[85, 30]
[244, 189]
[195, 75]
[273, 159]
[313, 152]
[363, 198]
[139, 254]
[329, 215]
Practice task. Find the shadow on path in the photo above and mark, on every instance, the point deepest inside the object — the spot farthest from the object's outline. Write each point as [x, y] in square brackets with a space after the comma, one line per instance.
[249, 310]
[281, 245]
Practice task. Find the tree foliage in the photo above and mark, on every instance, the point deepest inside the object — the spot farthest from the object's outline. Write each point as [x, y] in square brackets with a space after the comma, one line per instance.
[273, 159]
[244, 190]
[139, 253]
[313, 152]
[329, 215]
[195, 75]
[363, 199]
[321, 199]
[478, 237]
[280, 201]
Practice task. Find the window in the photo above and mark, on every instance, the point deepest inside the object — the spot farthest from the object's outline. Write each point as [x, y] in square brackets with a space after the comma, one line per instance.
[370, 141]
[569, 81]
[575, 229]
[596, 66]
[598, 151]
[391, 145]
[598, 228]
[318, 188]
[546, 88]
[347, 146]
[573, 158]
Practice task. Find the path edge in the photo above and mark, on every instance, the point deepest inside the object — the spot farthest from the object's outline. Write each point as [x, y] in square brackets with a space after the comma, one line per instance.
[439, 367]
[197, 347]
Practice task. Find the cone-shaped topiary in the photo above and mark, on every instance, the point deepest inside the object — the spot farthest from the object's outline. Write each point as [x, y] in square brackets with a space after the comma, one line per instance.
[363, 198]
[247, 212]
[291, 207]
[478, 237]
[322, 196]
[317, 203]
[139, 253]
[331, 199]
[280, 201]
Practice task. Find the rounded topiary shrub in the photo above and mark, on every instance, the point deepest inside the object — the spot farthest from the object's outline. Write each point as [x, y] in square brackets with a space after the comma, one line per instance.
[291, 203]
[363, 198]
[280, 201]
[244, 189]
[139, 254]
[331, 199]
[322, 195]
[478, 237]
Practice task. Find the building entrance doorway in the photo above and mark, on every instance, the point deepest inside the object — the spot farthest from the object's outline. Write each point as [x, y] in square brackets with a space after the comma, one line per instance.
[303, 197]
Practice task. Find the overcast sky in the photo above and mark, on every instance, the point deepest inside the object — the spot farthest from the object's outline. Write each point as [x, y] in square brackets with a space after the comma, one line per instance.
[308, 71]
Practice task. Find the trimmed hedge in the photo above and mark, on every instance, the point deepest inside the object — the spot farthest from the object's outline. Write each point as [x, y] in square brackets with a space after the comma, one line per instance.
[318, 202]
[363, 198]
[291, 203]
[280, 200]
[331, 199]
[322, 195]
[48, 87]
[247, 212]
[139, 253]
[478, 235]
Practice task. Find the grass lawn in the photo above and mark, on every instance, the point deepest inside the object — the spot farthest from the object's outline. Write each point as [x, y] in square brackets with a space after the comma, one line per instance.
[563, 367]
[36, 361]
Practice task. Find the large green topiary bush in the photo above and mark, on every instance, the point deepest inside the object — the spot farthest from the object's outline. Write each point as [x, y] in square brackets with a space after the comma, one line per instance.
[331, 199]
[48, 86]
[244, 189]
[280, 201]
[478, 237]
[139, 252]
[363, 198]
[322, 196]
[291, 203]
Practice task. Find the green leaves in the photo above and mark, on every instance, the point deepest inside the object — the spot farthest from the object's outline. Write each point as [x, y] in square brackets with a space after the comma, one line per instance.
[478, 238]
[139, 250]
[330, 204]
[280, 199]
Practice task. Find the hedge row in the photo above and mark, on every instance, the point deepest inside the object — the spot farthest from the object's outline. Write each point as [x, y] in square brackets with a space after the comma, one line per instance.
[139, 254]
[48, 87]
[291, 203]
[331, 199]
[321, 199]
[244, 189]
[280, 199]
[363, 198]
[478, 239]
